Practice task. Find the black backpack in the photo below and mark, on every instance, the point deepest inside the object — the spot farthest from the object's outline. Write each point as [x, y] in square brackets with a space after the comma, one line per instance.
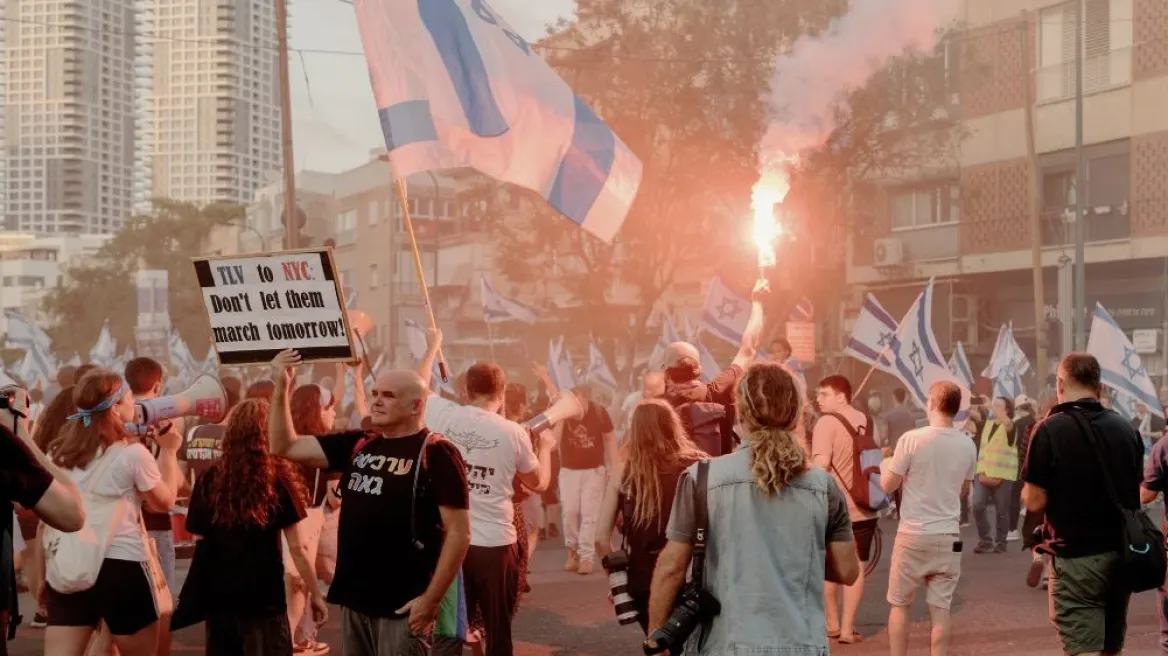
[704, 422]
[1143, 555]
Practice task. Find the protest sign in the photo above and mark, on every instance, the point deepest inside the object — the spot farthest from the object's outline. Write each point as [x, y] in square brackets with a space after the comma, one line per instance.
[262, 303]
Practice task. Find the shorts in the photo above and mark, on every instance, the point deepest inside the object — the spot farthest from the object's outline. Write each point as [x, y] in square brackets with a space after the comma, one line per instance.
[927, 560]
[864, 532]
[1088, 603]
[228, 634]
[123, 597]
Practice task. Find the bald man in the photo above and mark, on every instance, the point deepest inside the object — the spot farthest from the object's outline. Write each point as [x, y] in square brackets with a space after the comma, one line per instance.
[404, 527]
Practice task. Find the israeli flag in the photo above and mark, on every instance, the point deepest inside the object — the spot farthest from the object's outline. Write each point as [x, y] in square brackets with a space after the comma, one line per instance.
[725, 314]
[560, 365]
[456, 87]
[181, 356]
[598, 371]
[1008, 363]
[105, 352]
[873, 334]
[36, 367]
[804, 310]
[959, 365]
[23, 334]
[498, 308]
[917, 359]
[1122, 368]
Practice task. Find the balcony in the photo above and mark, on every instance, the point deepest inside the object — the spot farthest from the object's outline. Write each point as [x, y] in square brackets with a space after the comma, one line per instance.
[1100, 73]
[1111, 224]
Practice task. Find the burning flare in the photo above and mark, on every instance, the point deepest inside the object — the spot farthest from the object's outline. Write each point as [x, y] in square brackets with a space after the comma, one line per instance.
[768, 192]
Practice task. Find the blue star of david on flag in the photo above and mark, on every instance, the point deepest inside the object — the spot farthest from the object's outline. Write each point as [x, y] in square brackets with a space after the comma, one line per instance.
[1122, 369]
[1133, 364]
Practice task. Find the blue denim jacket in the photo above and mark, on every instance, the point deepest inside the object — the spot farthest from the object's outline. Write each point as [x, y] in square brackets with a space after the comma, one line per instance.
[766, 558]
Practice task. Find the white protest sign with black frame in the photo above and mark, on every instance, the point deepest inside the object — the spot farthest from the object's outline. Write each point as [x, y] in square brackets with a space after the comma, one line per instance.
[262, 303]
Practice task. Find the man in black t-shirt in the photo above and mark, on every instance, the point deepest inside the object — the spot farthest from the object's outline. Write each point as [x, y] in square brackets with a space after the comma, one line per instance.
[404, 526]
[587, 452]
[1063, 476]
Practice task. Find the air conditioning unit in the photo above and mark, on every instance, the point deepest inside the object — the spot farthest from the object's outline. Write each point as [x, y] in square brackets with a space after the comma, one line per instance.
[889, 252]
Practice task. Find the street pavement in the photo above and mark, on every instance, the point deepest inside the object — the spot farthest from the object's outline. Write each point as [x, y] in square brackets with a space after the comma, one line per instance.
[994, 613]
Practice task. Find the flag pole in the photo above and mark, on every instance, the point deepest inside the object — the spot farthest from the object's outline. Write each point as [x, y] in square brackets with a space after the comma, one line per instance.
[400, 185]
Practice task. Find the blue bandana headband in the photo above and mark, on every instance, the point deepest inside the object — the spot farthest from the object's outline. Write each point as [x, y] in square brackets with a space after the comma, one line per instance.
[86, 416]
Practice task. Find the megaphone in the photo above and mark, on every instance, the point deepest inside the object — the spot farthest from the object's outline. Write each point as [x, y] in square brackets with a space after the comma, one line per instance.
[204, 398]
[566, 407]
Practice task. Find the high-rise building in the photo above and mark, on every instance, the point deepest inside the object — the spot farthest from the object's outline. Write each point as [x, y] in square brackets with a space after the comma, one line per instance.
[68, 114]
[211, 130]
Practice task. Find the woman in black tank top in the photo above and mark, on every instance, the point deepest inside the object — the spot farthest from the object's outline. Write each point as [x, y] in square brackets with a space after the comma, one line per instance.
[640, 493]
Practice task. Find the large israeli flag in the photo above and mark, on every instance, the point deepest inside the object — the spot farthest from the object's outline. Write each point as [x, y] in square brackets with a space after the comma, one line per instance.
[1008, 363]
[23, 334]
[456, 87]
[498, 308]
[873, 335]
[916, 358]
[725, 313]
[959, 365]
[1122, 368]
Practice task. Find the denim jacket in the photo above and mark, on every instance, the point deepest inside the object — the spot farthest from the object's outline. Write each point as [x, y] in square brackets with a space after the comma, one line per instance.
[765, 560]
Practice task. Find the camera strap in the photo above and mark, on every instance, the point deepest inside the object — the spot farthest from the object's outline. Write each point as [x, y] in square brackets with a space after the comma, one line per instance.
[701, 524]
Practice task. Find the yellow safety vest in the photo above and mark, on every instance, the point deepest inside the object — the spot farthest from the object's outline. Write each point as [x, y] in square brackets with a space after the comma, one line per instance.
[997, 458]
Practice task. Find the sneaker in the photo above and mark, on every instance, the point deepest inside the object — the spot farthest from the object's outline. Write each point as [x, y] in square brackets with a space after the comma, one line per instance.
[585, 568]
[983, 549]
[573, 564]
[1037, 569]
[1013, 536]
[39, 621]
[999, 548]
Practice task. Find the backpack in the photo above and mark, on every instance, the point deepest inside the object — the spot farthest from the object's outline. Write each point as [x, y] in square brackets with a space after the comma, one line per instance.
[73, 560]
[864, 488]
[1143, 556]
[703, 422]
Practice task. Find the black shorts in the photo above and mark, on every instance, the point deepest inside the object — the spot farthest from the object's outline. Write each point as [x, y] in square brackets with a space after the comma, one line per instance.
[231, 634]
[864, 531]
[122, 596]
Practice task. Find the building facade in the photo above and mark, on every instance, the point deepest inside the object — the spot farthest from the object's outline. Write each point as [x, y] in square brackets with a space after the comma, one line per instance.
[209, 128]
[68, 114]
[968, 224]
[31, 266]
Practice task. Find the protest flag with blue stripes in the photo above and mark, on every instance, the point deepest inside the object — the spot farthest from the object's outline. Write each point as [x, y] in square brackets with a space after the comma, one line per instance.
[21, 333]
[725, 314]
[1123, 370]
[599, 372]
[498, 308]
[872, 335]
[37, 367]
[916, 358]
[105, 351]
[959, 365]
[456, 87]
[1008, 363]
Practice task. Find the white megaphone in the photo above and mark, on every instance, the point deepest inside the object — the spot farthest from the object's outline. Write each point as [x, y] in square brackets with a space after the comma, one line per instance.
[204, 398]
[566, 407]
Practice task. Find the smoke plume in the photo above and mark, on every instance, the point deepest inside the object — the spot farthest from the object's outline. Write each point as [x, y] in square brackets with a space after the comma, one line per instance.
[811, 79]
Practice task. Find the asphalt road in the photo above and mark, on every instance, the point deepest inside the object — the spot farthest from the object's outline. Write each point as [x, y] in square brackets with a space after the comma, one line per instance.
[994, 613]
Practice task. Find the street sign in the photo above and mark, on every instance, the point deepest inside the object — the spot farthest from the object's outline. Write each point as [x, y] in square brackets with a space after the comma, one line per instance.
[1146, 340]
[801, 336]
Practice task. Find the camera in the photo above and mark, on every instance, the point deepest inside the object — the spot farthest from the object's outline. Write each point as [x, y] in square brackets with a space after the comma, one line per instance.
[13, 406]
[694, 606]
[617, 566]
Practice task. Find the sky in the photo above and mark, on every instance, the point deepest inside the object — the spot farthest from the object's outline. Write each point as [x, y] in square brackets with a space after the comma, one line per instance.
[333, 112]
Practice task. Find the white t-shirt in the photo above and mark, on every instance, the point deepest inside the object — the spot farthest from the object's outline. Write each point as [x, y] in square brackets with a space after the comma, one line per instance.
[132, 472]
[935, 463]
[494, 449]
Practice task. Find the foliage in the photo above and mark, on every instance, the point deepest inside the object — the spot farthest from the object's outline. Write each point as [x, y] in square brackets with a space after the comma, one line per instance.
[102, 288]
[682, 83]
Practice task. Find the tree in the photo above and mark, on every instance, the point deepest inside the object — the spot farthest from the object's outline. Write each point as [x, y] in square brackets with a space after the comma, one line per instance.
[103, 288]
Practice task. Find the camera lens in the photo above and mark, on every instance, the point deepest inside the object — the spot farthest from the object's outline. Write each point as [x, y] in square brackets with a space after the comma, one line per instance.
[622, 602]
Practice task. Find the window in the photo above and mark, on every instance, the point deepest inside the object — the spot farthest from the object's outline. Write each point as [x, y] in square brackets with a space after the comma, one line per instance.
[374, 211]
[921, 207]
[1107, 48]
[374, 278]
[347, 227]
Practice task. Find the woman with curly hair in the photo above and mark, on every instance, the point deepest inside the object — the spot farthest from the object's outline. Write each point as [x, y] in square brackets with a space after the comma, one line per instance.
[94, 448]
[640, 492]
[240, 507]
[777, 528]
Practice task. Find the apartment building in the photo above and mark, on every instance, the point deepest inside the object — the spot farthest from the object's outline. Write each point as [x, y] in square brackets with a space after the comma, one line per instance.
[68, 114]
[209, 127]
[31, 266]
[967, 224]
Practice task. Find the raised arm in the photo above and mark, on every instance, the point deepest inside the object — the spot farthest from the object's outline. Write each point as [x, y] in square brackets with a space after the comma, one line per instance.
[426, 364]
[748, 349]
[282, 438]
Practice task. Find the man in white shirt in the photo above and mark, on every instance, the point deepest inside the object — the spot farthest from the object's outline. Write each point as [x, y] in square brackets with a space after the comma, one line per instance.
[934, 466]
[496, 451]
